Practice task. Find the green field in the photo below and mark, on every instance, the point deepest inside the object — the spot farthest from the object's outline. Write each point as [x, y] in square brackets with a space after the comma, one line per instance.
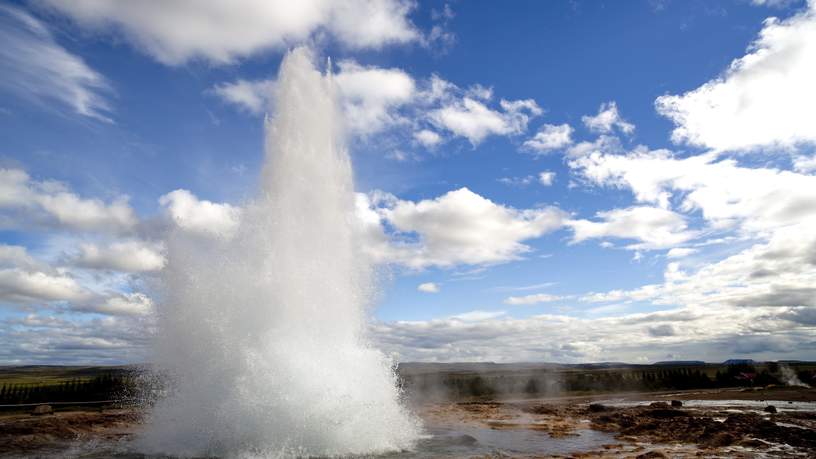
[41, 384]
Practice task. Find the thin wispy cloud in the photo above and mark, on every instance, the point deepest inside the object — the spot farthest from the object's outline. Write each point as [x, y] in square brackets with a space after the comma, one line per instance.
[37, 68]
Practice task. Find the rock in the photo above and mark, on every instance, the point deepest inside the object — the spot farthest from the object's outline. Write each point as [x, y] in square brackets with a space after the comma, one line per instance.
[665, 412]
[676, 403]
[752, 443]
[463, 440]
[596, 407]
[42, 409]
[651, 455]
[722, 439]
[770, 409]
[659, 405]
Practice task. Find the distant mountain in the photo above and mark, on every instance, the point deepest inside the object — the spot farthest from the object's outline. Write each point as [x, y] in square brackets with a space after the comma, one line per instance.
[679, 362]
[739, 362]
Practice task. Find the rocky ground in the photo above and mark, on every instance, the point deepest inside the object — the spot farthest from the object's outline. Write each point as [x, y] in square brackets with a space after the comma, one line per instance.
[43, 435]
[642, 425]
[657, 425]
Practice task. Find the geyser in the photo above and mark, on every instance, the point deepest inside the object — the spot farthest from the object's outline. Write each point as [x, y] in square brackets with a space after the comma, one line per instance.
[263, 331]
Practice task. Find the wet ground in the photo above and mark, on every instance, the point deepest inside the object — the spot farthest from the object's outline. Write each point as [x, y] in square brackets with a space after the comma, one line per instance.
[711, 423]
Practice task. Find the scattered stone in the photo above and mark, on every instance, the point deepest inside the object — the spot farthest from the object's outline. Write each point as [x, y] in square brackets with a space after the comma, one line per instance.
[676, 403]
[40, 410]
[659, 405]
[770, 409]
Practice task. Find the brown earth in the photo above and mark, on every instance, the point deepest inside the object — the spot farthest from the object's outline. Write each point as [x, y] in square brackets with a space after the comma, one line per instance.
[657, 429]
[649, 430]
[25, 433]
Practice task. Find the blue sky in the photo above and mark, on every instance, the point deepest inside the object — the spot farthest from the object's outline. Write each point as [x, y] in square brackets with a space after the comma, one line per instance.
[559, 181]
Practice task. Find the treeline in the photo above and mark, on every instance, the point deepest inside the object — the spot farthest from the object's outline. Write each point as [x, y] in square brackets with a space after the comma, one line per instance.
[547, 383]
[99, 388]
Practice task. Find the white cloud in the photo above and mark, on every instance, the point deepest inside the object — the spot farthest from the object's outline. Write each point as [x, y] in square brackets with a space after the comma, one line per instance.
[546, 178]
[531, 299]
[252, 96]
[48, 339]
[428, 138]
[14, 256]
[653, 227]
[200, 216]
[717, 334]
[607, 119]
[129, 304]
[370, 95]
[428, 287]
[473, 120]
[763, 99]
[34, 66]
[221, 31]
[728, 195]
[772, 3]
[459, 227]
[127, 256]
[550, 137]
[680, 252]
[25, 203]
[18, 286]
[476, 316]
[805, 164]
[375, 100]
[517, 181]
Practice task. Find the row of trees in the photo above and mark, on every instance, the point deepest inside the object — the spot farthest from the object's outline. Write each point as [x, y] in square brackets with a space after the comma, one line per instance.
[102, 387]
[613, 380]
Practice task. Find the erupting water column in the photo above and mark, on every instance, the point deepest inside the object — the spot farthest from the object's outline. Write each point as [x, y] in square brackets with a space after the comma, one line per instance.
[263, 330]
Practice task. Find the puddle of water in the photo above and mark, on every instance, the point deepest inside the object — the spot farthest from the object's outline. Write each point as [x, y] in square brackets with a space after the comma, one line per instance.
[441, 442]
[725, 404]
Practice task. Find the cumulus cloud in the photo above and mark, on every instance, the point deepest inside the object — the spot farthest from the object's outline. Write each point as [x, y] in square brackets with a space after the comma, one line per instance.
[546, 178]
[20, 286]
[37, 68]
[252, 96]
[727, 194]
[32, 284]
[176, 32]
[200, 216]
[607, 119]
[459, 227]
[475, 121]
[805, 164]
[126, 256]
[763, 99]
[46, 339]
[428, 138]
[531, 299]
[376, 100]
[15, 256]
[687, 332]
[370, 98]
[653, 227]
[127, 304]
[550, 137]
[25, 202]
[371, 94]
[428, 287]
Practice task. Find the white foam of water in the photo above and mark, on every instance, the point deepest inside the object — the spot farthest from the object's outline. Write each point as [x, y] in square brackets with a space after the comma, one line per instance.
[263, 331]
